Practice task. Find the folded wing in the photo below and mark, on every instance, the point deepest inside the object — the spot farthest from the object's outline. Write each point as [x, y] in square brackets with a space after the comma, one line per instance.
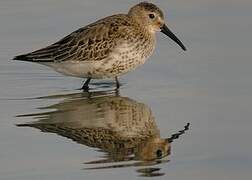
[90, 43]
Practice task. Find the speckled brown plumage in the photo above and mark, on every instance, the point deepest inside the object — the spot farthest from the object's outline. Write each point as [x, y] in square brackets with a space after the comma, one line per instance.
[107, 48]
[94, 42]
[117, 125]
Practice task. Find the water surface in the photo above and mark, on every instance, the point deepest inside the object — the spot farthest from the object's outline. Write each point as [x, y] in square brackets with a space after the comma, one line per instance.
[209, 86]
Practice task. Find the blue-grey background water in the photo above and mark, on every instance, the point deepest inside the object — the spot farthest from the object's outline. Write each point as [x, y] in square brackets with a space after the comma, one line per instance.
[209, 86]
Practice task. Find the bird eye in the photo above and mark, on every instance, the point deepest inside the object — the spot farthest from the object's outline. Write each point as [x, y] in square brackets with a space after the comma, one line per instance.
[151, 16]
[159, 153]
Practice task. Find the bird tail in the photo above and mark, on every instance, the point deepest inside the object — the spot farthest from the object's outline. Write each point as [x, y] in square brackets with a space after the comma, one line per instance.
[23, 57]
[42, 55]
[32, 57]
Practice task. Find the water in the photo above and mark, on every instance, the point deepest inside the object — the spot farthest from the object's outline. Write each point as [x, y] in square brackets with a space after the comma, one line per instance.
[209, 86]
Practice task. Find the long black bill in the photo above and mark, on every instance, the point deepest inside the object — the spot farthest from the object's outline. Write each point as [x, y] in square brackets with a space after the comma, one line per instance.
[178, 134]
[168, 32]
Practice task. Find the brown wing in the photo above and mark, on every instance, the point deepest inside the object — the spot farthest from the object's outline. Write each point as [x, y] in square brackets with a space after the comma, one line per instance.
[91, 43]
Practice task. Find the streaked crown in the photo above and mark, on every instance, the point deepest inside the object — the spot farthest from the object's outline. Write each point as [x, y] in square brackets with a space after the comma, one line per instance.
[148, 15]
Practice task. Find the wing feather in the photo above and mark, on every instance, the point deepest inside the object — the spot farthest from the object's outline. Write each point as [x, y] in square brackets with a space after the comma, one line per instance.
[90, 43]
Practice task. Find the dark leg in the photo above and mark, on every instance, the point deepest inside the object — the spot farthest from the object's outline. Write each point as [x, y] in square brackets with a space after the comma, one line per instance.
[85, 85]
[117, 83]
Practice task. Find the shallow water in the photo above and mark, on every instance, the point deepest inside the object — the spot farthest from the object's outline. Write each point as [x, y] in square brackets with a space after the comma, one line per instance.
[50, 130]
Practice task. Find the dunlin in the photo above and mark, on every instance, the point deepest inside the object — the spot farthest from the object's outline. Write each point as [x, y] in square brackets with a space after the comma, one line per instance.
[120, 126]
[107, 48]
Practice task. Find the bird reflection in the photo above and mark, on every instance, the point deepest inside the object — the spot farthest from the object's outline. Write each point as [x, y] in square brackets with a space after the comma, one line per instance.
[122, 128]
